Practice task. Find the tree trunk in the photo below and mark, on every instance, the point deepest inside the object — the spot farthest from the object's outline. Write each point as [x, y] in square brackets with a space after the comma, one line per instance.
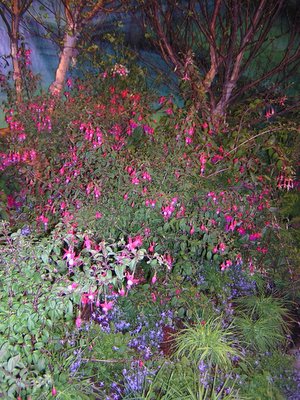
[14, 47]
[70, 41]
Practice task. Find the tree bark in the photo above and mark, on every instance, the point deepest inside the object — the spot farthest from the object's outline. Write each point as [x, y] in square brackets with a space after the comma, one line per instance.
[70, 42]
[14, 49]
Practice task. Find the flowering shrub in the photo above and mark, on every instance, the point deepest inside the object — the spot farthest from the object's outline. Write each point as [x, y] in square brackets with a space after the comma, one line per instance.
[133, 218]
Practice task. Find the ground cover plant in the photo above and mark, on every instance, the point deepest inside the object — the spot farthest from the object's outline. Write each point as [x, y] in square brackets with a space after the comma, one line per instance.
[139, 246]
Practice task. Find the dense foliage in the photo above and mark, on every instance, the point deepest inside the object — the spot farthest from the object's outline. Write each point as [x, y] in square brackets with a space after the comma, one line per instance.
[140, 256]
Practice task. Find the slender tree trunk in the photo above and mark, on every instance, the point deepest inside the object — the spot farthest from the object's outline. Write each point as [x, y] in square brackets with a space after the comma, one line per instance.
[70, 41]
[14, 47]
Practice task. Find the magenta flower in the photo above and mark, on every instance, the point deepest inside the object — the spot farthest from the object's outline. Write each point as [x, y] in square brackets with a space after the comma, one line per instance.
[131, 280]
[135, 242]
[78, 322]
[106, 306]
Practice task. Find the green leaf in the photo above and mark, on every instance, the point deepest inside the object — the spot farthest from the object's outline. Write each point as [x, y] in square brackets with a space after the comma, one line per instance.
[12, 363]
[119, 269]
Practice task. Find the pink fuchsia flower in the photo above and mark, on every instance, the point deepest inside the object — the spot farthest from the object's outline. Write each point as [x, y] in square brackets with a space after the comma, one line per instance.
[122, 292]
[106, 306]
[239, 259]
[131, 280]
[73, 286]
[269, 113]
[78, 322]
[54, 391]
[69, 82]
[146, 176]
[72, 259]
[251, 267]
[135, 180]
[134, 242]
[98, 215]
[262, 250]
[241, 230]
[255, 236]
[43, 219]
[97, 192]
[226, 264]
[84, 298]
[222, 247]
[150, 203]
[87, 242]
[151, 247]
[154, 278]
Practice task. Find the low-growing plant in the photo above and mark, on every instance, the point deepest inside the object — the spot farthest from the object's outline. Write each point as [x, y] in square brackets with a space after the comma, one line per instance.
[208, 343]
[263, 322]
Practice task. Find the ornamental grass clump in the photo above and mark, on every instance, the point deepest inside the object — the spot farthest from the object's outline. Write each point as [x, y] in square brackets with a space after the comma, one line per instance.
[263, 322]
[208, 342]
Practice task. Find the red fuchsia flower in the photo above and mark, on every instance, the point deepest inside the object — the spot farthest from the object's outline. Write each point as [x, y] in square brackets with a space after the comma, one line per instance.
[269, 113]
[241, 230]
[203, 228]
[204, 125]
[213, 196]
[192, 230]
[69, 82]
[251, 267]
[151, 247]
[84, 299]
[255, 236]
[222, 247]
[177, 174]
[153, 296]
[43, 220]
[231, 223]
[262, 250]
[148, 130]
[203, 160]
[239, 260]
[106, 306]
[226, 264]
[181, 212]
[130, 170]
[169, 261]
[150, 203]
[147, 232]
